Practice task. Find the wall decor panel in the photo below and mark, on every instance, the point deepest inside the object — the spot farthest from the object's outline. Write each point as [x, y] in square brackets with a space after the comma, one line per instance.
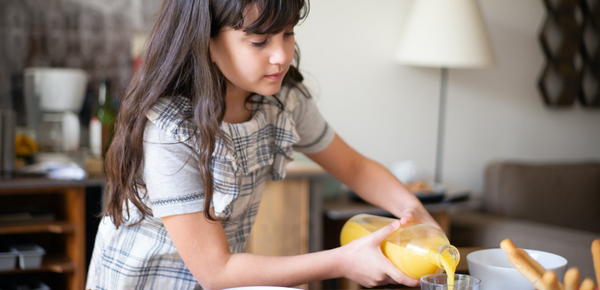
[569, 40]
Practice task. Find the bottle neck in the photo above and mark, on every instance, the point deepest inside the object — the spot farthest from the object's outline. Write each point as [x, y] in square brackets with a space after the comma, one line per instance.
[103, 94]
[444, 255]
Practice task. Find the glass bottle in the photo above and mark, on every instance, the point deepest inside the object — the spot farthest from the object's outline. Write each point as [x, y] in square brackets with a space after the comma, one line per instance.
[415, 249]
[102, 121]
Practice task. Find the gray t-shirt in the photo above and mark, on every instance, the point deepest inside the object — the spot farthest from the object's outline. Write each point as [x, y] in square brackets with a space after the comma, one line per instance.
[171, 169]
[143, 256]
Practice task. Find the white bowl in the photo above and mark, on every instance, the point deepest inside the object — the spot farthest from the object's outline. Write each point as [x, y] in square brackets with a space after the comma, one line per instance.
[497, 273]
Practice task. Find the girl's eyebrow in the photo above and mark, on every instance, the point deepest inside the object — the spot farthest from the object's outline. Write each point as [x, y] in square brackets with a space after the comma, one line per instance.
[256, 33]
[246, 34]
[250, 34]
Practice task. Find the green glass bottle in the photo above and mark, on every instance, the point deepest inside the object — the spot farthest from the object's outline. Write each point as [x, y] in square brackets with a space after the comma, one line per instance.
[103, 120]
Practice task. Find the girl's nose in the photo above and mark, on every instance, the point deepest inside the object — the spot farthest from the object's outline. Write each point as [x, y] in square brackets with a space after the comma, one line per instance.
[278, 54]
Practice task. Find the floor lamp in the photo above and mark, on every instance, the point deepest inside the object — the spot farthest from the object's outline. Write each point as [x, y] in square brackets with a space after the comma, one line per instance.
[445, 34]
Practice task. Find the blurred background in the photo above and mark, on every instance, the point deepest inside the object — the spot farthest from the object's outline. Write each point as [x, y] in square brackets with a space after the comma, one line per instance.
[386, 110]
[74, 58]
[389, 111]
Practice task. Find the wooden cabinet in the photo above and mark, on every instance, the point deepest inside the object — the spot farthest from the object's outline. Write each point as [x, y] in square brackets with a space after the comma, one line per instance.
[282, 223]
[63, 265]
[281, 227]
[285, 224]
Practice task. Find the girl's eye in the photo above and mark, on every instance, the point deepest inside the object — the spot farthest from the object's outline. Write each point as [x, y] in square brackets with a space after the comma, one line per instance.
[259, 44]
[263, 43]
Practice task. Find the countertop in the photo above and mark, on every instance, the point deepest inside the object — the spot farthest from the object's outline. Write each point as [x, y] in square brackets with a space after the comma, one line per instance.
[295, 170]
[21, 182]
[343, 207]
[302, 169]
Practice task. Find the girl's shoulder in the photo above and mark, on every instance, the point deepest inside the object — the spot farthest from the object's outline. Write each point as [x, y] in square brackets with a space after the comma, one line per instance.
[172, 115]
[174, 107]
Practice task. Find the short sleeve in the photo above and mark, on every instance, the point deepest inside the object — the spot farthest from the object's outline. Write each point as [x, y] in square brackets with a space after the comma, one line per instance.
[315, 133]
[173, 180]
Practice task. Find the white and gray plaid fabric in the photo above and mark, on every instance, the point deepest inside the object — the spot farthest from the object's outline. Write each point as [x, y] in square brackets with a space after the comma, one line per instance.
[143, 256]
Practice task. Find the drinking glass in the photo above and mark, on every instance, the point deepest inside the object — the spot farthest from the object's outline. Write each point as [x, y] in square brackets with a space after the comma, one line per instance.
[440, 282]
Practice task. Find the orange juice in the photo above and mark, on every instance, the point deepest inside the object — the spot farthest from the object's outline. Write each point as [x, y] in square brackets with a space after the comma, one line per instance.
[449, 265]
[416, 250]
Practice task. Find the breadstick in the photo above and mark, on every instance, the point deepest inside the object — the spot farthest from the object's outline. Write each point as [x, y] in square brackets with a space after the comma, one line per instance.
[533, 262]
[588, 284]
[596, 256]
[550, 281]
[507, 246]
[572, 279]
[526, 269]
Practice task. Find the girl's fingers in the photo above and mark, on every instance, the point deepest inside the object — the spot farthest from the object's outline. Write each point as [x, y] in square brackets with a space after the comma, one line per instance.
[390, 281]
[398, 276]
[394, 275]
[412, 216]
[384, 232]
[409, 215]
[411, 282]
[406, 218]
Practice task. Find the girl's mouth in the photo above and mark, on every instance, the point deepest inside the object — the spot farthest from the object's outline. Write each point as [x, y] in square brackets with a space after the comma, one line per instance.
[275, 76]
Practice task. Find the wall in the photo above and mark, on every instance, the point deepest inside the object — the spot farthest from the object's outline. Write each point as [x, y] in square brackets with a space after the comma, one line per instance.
[388, 111]
[94, 35]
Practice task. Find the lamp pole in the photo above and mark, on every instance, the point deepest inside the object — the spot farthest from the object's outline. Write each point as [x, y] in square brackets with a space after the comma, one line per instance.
[440, 132]
[445, 34]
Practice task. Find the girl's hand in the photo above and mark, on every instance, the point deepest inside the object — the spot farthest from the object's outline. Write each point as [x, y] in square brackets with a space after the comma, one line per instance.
[419, 215]
[364, 263]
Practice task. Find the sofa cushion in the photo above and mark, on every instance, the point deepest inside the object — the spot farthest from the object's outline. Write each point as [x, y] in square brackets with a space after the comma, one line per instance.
[562, 194]
[477, 229]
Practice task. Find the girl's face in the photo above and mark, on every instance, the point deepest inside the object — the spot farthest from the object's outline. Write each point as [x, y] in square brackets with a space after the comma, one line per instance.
[253, 63]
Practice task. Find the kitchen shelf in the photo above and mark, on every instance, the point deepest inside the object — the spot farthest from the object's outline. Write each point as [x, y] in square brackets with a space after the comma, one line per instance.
[57, 227]
[50, 263]
[67, 202]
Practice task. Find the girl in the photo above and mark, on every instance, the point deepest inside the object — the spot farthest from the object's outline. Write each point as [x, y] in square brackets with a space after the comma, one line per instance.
[217, 108]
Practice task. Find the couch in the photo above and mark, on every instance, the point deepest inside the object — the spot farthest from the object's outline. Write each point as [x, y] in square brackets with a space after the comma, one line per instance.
[549, 207]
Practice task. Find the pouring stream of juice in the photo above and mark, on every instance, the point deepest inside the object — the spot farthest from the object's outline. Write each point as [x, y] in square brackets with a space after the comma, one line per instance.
[449, 264]
[416, 250]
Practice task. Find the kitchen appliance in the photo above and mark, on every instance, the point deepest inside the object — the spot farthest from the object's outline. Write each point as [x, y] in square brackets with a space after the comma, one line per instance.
[53, 99]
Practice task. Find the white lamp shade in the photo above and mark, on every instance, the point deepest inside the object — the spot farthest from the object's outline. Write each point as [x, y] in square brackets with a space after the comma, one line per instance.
[445, 33]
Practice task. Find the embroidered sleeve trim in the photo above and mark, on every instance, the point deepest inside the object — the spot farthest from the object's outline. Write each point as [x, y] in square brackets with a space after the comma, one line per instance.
[178, 199]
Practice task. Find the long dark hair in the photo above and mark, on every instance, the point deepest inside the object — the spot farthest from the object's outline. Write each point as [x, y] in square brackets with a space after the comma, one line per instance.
[177, 63]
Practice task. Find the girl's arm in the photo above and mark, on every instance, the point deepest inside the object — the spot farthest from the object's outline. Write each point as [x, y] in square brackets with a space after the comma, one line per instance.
[202, 245]
[371, 181]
